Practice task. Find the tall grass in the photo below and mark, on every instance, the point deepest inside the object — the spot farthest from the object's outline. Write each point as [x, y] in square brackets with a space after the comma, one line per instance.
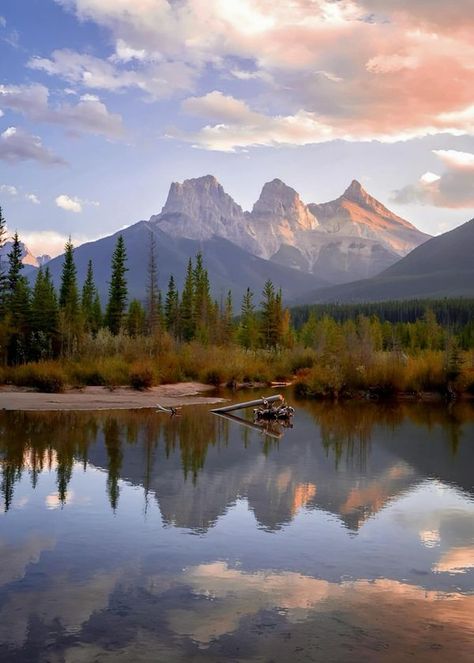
[143, 362]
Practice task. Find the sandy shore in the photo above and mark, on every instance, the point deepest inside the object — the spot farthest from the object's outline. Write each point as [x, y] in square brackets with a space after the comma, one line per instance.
[101, 398]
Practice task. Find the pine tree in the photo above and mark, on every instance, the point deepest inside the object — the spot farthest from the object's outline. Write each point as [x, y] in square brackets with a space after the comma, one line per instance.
[44, 316]
[270, 315]
[69, 311]
[3, 276]
[187, 319]
[172, 308]
[136, 318]
[88, 300]
[227, 326]
[202, 301]
[15, 264]
[153, 311]
[97, 317]
[248, 328]
[68, 292]
[118, 291]
[18, 306]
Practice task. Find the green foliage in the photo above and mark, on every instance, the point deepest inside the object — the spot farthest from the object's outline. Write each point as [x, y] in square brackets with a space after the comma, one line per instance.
[187, 317]
[118, 291]
[90, 303]
[136, 318]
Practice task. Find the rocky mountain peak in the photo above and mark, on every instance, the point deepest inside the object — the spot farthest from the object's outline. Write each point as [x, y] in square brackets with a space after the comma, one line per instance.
[279, 201]
[200, 197]
[356, 192]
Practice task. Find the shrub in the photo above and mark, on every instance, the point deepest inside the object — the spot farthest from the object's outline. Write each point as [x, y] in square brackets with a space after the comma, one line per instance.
[141, 376]
[47, 377]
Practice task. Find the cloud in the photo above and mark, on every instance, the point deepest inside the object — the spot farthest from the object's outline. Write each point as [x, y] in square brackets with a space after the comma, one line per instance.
[50, 242]
[157, 79]
[69, 204]
[73, 204]
[18, 145]
[89, 115]
[454, 188]
[8, 189]
[360, 69]
[33, 198]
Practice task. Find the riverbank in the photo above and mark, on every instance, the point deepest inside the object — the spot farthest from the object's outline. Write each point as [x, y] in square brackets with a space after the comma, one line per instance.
[103, 398]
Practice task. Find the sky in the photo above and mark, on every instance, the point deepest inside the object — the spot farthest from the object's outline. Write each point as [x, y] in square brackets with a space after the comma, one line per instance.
[103, 103]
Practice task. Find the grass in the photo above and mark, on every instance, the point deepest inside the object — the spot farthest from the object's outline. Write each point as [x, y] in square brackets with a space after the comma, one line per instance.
[143, 363]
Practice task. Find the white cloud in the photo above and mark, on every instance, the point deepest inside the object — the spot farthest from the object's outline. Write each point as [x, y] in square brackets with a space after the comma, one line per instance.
[18, 145]
[69, 204]
[348, 66]
[74, 204]
[50, 242]
[157, 79]
[88, 115]
[454, 188]
[33, 198]
[9, 189]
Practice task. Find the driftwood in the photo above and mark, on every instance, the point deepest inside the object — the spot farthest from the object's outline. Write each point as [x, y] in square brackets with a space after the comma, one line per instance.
[173, 411]
[242, 406]
[250, 424]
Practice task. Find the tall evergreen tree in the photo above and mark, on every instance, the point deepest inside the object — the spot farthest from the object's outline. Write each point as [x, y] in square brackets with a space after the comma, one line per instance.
[70, 318]
[153, 312]
[227, 326]
[68, 292]
[44, 316]
[202, 301]
[268, 318]
[3, 275]
[15, 264]
[118, 291]
[136, 318]
[248, 327]
[187, 318]
[18, 306]
[88, 301]
[172, 308]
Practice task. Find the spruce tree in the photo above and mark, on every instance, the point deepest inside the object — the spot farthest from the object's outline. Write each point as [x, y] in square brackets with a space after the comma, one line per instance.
[268, 314]
[18, 306]
[15, 264]
[187, 318]
[118, 291]
[69, 310]
[3, 275]
[227, 326]
[172, 308]
[202, 301]
[248, 328]
[153, 311]
[88, 300]
[44, 316]
[136, 318]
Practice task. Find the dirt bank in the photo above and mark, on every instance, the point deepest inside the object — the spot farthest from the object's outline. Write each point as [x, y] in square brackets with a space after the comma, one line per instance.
[102, 398]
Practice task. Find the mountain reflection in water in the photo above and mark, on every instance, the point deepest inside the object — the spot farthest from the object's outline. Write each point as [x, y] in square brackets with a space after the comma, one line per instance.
[131, 536]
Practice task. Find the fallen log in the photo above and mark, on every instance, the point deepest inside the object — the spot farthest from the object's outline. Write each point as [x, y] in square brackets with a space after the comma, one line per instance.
[242, 406]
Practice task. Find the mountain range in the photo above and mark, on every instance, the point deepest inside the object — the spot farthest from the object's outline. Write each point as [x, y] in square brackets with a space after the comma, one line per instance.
[349, 249]
[442, 267]
[27, 256]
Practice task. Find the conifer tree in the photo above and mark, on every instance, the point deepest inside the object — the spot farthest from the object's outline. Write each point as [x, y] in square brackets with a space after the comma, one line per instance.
[15, 264]
[227, 327]
[18, 306]
[248, 328]
[88, 300]
[69, 310]
[153, 312]
[172, 308]
[136, 318]
[44, 316]
[97, 317]
[202, 300]
[3, 275]
[271, 316]
[68, 292]
[187, 319]
[118, 291]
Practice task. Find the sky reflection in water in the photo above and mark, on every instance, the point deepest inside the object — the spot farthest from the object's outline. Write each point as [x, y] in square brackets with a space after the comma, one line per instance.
[128, 536]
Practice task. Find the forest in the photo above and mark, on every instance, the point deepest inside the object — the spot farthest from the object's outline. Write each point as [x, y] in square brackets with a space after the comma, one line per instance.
[52, 338]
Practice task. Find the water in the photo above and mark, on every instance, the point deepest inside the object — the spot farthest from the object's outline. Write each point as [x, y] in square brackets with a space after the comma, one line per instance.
[130, 536]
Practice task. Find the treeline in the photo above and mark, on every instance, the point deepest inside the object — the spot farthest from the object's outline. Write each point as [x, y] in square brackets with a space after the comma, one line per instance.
[39, 323]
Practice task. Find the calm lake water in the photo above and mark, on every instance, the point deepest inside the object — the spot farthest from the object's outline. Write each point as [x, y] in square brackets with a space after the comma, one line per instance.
[130, 536]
